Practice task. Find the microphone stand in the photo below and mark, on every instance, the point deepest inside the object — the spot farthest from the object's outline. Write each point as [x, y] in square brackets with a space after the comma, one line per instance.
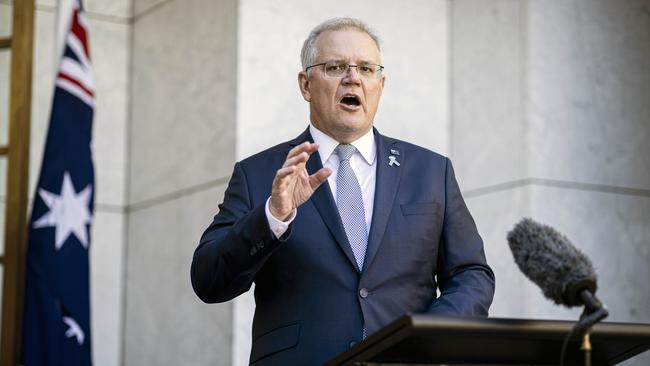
[594, 311]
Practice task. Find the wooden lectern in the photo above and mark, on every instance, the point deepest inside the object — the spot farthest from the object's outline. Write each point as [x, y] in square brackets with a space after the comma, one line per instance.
[430, 340]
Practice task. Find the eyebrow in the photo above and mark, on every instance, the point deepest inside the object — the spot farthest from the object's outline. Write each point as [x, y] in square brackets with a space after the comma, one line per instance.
[362, 62]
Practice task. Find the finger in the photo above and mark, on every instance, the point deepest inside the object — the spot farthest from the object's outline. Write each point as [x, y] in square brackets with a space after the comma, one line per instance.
[285, 172]
[298, 149]
[316, 179]
[298, 159]
[308, 147]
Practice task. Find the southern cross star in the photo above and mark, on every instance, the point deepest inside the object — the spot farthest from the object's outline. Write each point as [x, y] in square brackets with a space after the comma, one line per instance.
[69, 212]
[74, 330]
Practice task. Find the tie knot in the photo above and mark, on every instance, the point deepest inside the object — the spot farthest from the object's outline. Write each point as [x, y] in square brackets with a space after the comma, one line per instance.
[345, 151]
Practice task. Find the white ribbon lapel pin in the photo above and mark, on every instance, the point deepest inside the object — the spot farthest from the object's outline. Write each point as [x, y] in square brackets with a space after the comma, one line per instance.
[392, 159]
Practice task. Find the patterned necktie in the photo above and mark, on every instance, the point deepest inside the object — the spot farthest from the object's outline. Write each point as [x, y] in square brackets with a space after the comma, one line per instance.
[350, 204]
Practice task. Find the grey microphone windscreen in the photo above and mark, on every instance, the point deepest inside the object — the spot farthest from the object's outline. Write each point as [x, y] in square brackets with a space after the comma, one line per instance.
[548, 259]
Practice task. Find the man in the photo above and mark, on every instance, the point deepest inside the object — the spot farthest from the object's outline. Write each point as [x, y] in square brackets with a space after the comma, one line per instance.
[342, 229]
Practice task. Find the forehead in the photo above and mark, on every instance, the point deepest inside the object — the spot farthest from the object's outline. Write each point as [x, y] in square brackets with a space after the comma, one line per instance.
[346, 44]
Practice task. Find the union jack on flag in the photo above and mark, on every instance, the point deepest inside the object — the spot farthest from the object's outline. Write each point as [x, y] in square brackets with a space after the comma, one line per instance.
[56, 322]
[75, 73]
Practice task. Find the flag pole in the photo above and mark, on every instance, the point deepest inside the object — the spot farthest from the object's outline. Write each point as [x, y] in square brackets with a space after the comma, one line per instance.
[22, 39]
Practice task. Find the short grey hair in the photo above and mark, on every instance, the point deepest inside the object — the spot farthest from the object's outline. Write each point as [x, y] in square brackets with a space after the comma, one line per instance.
[309, 51]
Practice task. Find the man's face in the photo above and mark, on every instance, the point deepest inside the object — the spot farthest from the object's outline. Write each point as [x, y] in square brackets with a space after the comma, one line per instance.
[343, 107]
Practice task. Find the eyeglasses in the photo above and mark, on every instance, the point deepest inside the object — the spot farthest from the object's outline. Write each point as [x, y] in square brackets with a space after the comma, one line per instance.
[337, 69]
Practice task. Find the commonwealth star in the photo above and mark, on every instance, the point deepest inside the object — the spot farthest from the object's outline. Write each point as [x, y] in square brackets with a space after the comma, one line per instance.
[69, 212]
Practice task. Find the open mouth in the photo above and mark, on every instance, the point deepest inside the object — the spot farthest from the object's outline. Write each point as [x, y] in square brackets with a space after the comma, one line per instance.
[350, 101]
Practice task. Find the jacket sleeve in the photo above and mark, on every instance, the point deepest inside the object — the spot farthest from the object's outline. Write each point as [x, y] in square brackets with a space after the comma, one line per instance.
[235, 246]
[465, 280]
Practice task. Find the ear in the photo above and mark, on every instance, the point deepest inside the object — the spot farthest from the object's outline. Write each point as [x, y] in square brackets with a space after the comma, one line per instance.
[303, 83]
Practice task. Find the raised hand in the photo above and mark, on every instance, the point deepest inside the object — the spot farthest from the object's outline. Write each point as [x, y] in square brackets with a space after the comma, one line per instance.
[292, 185]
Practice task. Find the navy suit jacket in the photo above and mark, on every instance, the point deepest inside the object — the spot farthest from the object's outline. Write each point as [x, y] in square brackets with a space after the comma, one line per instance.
[311, 300]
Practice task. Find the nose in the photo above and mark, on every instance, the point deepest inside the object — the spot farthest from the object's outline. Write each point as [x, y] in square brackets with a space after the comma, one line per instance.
[352, 77]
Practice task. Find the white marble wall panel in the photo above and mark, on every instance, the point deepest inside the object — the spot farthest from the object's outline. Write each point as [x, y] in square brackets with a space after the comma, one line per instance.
[44, 67]
[117, 10]
[6, 20]
[589, 74]
[414, 105]
[2, 218]
[110, 52]
[5, 64]
[107, 287]
[184, 90]
[143, 6]
[47, 3]
[243, 310]
[495, 214]
[182, 137]
[166, 323]
[114, 10]
[488, 130]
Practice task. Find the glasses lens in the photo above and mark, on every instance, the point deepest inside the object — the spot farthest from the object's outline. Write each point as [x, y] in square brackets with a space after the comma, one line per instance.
[336, 69]
[339, 69]
[368, 70]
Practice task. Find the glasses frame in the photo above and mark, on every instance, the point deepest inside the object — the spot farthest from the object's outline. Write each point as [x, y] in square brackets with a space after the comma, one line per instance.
[379, 72]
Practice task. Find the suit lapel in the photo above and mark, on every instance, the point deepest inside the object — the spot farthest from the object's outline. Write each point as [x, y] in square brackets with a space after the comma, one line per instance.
[324, 202]
[387, 182]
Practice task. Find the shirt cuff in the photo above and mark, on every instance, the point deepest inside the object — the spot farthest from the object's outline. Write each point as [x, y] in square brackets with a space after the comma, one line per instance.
[278, 227]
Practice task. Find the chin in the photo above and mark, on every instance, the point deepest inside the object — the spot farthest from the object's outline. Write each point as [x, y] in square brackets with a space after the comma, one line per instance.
[353, 128]
[350, 126]
[352, 123]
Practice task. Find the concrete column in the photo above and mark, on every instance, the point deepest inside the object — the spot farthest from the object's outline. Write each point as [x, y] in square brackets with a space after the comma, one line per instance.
[182, 149]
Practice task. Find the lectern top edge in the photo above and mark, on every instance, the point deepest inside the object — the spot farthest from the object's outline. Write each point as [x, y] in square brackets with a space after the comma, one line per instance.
[424, 338]
[525, 326]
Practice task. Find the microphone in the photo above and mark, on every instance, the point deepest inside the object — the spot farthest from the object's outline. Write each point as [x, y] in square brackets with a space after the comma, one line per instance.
[546, 257]
[562, 271]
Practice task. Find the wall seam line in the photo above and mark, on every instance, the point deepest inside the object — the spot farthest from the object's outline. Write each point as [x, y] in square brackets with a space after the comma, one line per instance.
[556, 183]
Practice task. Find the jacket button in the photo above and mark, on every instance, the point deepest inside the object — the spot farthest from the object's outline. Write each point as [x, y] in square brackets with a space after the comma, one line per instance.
[353, 343]
[253, 251]
[363, 293]
[260, 245]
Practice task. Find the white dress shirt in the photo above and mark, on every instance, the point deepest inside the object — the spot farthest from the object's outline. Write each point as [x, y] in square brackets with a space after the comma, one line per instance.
[363, 163]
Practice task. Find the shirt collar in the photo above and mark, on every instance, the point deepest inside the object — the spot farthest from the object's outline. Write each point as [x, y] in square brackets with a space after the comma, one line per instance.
[365, 145]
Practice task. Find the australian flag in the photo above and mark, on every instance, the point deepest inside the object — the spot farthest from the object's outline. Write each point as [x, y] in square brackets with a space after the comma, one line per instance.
[56, 326]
